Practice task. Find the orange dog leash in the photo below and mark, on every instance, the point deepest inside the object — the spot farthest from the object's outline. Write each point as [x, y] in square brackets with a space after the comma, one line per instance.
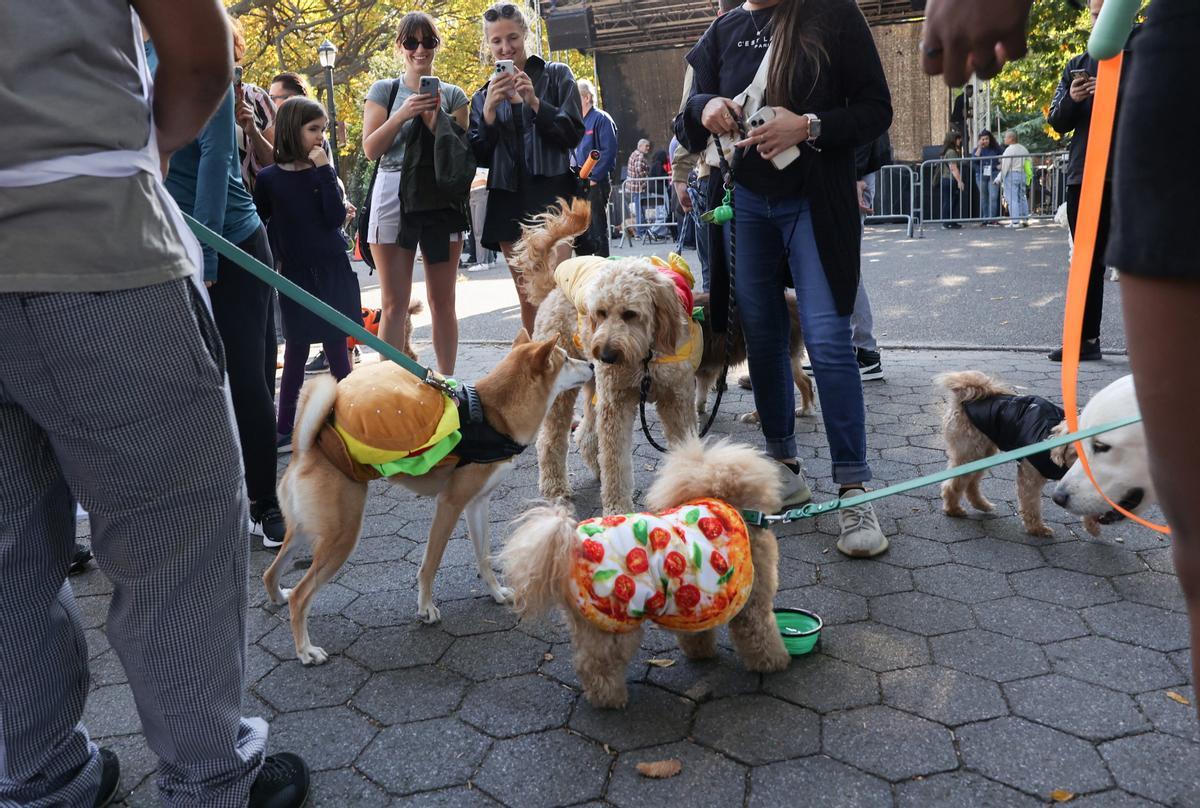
[1100, 136]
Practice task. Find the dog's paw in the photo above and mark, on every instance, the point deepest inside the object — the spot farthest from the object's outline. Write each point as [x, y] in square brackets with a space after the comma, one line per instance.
[503, 594]
[954, 511]
[771, 661]
[554, 490]
[284, 596]
[430, 614]
[803, 411]
[312, 655]
[610, 698]
[749, 417]
[1042, 530]
[981, 504]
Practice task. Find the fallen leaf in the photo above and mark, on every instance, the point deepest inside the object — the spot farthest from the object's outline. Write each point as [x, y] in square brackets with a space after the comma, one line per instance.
[1061, 795]
[660, 769]
[1179, 697]
[661, 663]
[607, 749]
[548, 657]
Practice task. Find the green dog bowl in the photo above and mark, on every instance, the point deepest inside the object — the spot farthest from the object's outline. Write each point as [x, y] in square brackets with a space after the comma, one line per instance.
[799, 628]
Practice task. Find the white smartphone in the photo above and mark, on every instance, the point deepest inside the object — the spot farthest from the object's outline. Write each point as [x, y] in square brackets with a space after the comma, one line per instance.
[430, 85]
[507, 66]
[785, 157]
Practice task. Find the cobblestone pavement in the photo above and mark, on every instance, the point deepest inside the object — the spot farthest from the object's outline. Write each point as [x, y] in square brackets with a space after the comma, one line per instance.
[971, 665]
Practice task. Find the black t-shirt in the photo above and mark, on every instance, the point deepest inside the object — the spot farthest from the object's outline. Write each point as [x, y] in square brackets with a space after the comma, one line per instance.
[732, 49]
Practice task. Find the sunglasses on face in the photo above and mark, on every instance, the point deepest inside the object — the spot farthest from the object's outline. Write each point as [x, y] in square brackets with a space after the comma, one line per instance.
[429, 42]
[507, 11]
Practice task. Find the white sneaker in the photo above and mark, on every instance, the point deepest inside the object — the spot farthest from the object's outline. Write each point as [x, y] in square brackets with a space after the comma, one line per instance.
[795, 489]
[861, 535]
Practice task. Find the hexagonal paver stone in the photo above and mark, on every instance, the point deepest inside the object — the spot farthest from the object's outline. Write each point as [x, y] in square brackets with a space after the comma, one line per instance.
[407, 646]
[959, 790]
[424, 755]
[940, 528]
[866, 578]
[1073, 590]
[838, 785]
[488, 656]
[942, 695]
[824, 684]
[1084, 710]
[1112, 799]
[757, 729]
[332, 632]
[996, 554]
[367, 578]
[1028, 619]
[412, 694]
[704, 679]
[1152, 588]
[1159, 767]
[506, 707]
[1170, 715]
[834, 605]
[962, 583]
[392, 607]
[328, 738]
[293, 686]
[1112, 664]
[889, 743]
[1139, 624]
[463, 618]
[913, 553]
[876, 647]
[342, 787]
[565, 769]
[111, 711]
[923, 614]
[1093, 558]
[460, 797]
[652, 716]
[989, 655]
[1032, 758]
[706, 778]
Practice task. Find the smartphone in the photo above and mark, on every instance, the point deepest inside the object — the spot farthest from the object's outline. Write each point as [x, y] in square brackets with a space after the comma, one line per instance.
[237, 75]
[507, 66]
[785, 157]
[1079, 74]
[430, 85]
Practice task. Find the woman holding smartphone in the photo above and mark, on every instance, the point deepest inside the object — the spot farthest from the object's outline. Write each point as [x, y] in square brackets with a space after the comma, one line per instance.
[393, 234]
[827, 92]
[524, 123]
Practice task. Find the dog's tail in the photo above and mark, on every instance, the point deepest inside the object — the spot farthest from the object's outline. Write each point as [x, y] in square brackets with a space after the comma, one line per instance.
[534, 254]
[971, 385]
[415, 307]
[316, 402]
[735, 472]
[536, 559]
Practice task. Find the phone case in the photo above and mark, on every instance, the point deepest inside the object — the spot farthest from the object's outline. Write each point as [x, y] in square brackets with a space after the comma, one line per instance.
[786, 157]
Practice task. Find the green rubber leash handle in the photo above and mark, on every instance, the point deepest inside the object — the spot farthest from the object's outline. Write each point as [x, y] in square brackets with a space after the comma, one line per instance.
[1112, 28]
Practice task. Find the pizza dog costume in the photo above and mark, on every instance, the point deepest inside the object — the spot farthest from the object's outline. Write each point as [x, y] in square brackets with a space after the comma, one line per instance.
[687, 569]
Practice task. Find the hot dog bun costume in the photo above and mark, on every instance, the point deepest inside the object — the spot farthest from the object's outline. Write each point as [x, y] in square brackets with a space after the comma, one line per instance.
[687, 569]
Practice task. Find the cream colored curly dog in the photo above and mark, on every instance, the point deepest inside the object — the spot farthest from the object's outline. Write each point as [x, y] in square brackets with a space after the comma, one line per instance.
[629, 321]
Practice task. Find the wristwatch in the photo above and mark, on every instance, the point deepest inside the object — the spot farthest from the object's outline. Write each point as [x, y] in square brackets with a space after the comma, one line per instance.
[814, 127]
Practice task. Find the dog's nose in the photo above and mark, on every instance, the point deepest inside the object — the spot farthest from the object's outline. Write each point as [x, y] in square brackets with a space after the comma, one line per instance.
[592, 366]
[608, 356]
[1061, 498]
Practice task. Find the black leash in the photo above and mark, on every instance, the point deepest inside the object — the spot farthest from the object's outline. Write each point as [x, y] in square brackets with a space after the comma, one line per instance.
[720, 215]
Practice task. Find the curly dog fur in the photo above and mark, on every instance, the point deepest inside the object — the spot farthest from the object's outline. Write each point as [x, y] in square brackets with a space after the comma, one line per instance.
[630, 312]
[538, 555]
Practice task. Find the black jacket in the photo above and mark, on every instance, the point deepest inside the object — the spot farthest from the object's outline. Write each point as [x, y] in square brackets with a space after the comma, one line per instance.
[1067, 115]
[870, 157]
[852, 100]
[437, 169]
[1012, 422]
[520, 144]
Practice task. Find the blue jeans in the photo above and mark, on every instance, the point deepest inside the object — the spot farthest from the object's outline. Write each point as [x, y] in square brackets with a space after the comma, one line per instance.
[765, 229]
[1017, 196]
[989, 197]
[701, 234]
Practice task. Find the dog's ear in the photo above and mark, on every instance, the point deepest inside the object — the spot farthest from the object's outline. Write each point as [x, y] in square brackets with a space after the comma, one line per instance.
[1062, 456]
[544, 351]
[666, 318]
[522, 338]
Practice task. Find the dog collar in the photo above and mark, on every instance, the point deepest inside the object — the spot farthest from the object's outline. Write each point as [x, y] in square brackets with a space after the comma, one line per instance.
[481, 442]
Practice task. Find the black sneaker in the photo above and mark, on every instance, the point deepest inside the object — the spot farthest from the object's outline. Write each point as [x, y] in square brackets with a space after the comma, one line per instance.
[869, 366]
[282, 782]
[79, 560]
[318, 364]
[266, 520]
[1089, 351]
[110, 778]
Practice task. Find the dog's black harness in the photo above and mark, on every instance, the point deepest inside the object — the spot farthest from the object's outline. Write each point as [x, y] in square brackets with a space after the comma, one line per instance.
[1013, 422]
[481, 442]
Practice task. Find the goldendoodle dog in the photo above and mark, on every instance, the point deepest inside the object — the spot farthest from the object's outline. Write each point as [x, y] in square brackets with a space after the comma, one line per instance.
[692, 564]
[633, 320]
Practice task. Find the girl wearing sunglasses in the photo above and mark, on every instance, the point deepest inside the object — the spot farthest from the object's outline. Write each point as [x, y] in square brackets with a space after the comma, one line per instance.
[394, 235]
[524, 125]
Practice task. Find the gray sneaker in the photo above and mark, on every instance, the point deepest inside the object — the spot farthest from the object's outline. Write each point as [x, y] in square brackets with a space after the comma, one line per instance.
[861, 535]
[794, 490]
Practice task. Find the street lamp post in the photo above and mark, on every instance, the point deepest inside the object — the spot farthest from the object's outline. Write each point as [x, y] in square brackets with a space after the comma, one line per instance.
[327, 53]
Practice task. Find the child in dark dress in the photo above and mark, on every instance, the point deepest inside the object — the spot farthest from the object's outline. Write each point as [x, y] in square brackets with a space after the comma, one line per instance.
[301, 202]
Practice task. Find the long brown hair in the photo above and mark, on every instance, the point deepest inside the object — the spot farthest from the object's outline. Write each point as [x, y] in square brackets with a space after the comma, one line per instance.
[799, 49]
[293, 114]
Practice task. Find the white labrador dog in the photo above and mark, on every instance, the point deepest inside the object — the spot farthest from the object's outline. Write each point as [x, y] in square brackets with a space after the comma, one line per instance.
[1118, 459]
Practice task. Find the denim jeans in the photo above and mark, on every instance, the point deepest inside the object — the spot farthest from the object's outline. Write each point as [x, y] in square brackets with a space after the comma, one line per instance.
[766, 228]
[701, 230]
[1014, 192]
[989, 197]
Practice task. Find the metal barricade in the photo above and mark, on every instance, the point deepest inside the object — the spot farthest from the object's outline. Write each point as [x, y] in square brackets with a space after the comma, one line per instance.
[991, 190]
[648, 210]
[895, 197]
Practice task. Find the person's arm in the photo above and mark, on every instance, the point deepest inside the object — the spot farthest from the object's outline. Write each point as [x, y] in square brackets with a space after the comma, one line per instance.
[262, 148]
[682, 163]
[195, 65]
[606, 144]
[262, 198]
[868, 111]
[703, 67]
[460, 110]
[217, 150]
[562, 124]
[1065, 112]
[483, 136]
[961, 37]
[380, 129]
[333, 207]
